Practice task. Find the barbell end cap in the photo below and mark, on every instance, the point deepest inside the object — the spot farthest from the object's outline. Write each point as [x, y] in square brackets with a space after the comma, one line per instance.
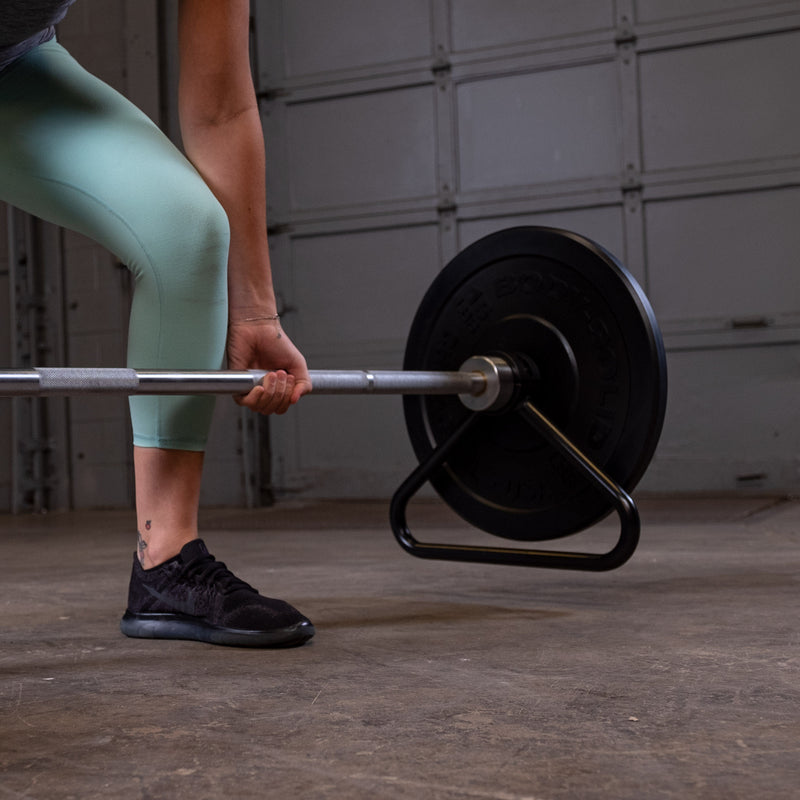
[499, 383]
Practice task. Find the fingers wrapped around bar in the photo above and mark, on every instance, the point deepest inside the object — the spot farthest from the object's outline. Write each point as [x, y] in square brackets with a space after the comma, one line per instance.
[274, 395]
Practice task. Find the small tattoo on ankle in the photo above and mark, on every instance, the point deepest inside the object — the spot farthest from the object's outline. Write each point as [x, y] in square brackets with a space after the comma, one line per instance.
[147, 525]
[141, 546]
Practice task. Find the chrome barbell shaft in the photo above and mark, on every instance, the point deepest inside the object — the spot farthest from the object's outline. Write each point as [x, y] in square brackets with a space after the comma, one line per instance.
[97, 380]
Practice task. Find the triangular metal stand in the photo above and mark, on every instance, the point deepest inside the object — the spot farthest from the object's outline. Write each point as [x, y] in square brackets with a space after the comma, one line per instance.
[620, 499]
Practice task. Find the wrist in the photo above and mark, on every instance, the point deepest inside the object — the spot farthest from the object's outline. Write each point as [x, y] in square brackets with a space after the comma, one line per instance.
[252, 305]
[251, 294]
[256, 320]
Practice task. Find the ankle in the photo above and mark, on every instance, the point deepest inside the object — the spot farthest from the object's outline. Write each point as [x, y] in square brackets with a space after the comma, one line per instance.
[153, 551]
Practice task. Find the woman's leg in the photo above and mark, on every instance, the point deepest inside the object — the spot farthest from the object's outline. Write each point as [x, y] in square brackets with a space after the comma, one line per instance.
[75, 152]
[167, 495]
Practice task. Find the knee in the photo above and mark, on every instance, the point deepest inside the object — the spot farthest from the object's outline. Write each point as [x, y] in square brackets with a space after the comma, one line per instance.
[202, 237]
[181, 244]
[179, 307]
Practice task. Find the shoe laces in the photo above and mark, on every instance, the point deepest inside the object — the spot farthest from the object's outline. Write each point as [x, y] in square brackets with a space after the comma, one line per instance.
[206, 569]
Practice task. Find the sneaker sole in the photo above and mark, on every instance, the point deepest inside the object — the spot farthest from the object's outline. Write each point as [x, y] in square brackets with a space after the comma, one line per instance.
[175, 626]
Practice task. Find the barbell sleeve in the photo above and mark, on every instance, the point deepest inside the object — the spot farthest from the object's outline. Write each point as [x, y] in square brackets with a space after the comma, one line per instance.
[396, 382]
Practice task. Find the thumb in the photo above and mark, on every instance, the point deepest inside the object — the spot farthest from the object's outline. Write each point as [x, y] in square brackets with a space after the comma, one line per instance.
[301, 387]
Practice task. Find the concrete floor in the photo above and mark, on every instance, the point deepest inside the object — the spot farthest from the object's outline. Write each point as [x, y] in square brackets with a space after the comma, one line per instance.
[676, 676]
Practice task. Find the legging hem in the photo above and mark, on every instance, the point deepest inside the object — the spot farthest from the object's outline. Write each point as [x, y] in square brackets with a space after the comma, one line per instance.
[169, 444]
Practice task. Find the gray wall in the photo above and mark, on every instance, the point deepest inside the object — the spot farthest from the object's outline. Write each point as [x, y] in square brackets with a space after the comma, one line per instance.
[668, 131]
[399, 131]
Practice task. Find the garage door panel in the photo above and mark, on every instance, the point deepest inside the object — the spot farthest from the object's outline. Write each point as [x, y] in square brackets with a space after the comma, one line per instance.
[98, 450]
[725, 432]
[541, 127]
[322, 36]
[648, 11]
[480, 24]
[361, 290]
[720, 103]
[602, 225]
[363, 149]
[724, 256]
[351, 446]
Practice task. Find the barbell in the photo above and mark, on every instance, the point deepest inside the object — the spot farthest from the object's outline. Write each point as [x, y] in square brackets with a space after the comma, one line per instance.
[476, 382]
[534, 390]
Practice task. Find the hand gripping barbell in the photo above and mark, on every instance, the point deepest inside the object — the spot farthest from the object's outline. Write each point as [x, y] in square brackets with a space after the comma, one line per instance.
[534, 388]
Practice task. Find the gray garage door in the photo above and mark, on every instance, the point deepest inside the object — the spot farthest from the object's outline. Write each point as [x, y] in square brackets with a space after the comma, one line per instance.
[399, 131]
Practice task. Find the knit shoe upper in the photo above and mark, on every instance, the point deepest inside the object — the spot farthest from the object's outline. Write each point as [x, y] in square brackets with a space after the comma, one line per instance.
[194, 596]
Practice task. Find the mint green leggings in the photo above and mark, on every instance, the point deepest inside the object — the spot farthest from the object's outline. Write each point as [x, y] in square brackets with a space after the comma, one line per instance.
[75, 152]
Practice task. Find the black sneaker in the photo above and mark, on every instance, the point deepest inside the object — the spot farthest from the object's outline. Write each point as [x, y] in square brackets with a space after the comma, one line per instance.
[193, 596]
